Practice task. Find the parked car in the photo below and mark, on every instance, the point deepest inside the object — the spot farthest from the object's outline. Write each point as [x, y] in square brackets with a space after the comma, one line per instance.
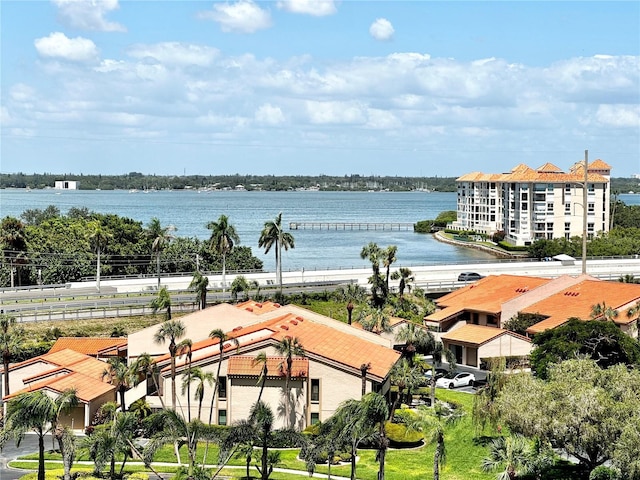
[452, 380]
[469, 276]
[440, 372]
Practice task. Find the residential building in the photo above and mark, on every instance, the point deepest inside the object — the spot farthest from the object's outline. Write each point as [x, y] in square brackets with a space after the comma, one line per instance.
[66, 184]
[340, 362]
[528, 204]
[62, 370]
[471, 320]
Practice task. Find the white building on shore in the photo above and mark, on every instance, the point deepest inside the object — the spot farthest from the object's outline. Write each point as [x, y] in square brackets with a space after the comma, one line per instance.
[530, 204]
[66, 185]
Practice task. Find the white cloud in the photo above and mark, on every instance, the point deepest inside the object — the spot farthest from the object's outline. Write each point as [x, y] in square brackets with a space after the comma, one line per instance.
[269, 115]
[5, 116]
[175, 53]
[58, 45]
[22, 93]
[381, 30]
[317, 8]
[244, 16]
[88, 14]
[625, 116]
[335, 112]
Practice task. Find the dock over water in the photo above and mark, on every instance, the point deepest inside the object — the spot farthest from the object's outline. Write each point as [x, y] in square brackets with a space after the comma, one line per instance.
[350, 226]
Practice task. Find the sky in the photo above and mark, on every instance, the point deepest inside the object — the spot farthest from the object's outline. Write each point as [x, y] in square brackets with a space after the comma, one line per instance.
[312, 87]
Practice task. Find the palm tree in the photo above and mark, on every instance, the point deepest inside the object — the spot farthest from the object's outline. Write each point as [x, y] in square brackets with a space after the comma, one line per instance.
[199, 284]
[222, 337]
[110, 441]
[99, 237]
[350, 423]
[289, 347]
[184, 348]
[510, 456]
[603, 311]
[364, 368]
[352, 293]
[405, 275]
[160, 237]
[162, 302]
[170, 331]
[379, 290]
[14, 244]
[388, 258]
[223, 237]
[203, 378]
[432, 423]
[414, 337]
[375, 410]
[261, 358]
[375, 320]
[261, 417]
[406, 377]
[272, 234]
[11, 342]
[39, 412]
[67, 445]
[120, 376]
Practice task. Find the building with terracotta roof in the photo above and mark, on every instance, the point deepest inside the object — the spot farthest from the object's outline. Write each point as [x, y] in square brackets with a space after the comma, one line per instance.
[61, 370]
[97, 347]
[340, 362]
[493, 300]
[530, 204]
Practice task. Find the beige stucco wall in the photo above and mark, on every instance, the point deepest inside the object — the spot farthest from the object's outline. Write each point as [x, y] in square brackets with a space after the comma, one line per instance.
[505, 346]
[17, 375]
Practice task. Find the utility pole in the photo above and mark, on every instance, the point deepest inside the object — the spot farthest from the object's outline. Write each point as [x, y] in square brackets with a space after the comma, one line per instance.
[584, 212]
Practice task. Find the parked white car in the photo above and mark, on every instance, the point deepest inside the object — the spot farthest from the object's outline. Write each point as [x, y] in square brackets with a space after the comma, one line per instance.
[453, 380]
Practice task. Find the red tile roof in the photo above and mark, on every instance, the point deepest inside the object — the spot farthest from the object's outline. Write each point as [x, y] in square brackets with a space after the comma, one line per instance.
[258, 307]
[88, 345]
[578, 301]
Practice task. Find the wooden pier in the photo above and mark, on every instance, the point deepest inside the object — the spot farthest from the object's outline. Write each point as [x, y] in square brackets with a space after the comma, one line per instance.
[349, 226]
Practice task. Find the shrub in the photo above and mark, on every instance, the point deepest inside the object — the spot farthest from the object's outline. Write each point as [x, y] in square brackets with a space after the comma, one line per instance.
[603, 473]
[400, 437]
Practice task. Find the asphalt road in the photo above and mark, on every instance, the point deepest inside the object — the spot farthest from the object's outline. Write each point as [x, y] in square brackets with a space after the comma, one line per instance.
[28, 445]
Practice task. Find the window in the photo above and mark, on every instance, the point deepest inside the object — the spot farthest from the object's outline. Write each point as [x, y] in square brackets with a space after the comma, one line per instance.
[315, 390]
[567, 188]
[590, 227]
[549, 226]
[222, 417]
[222, 387]
[550, 207]
[567, 226]
[524, 207]
[567, 208]
[592, 188]
[591, 208]
[525, 196]
[315, 418]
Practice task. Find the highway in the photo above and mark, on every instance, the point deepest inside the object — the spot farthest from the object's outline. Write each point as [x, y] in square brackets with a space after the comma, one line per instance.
[132, 296]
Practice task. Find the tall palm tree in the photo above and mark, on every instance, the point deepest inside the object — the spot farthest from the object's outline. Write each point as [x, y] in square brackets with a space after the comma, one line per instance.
[160, 237]
[11, 343]
[351, 424]
[171, 331]
[14, 244]
[350, 294]
[120, 376]
[604, 312]
[388, 258]
[364, 368]
[146, 368]
[203, 379]
[261, 417]
[223, 237]
[39, 412]
[272, 234]
[405, 275]
[162, 302]
[200, 283]
[289, 347]
[375, 410]
[261, 358]
[432, 423]
[185, 348]
[222, 337]
[379, 289]
[375, 320]
[241, 284]
[99, 237]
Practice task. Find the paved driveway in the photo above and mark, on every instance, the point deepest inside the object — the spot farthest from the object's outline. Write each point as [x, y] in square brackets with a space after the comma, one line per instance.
[28, 445]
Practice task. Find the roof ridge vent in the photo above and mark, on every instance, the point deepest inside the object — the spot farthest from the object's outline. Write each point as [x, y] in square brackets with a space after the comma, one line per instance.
[284, 327]
[293, 322]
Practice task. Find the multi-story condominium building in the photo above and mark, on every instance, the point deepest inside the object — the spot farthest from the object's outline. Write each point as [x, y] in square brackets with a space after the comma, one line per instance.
[530, 204]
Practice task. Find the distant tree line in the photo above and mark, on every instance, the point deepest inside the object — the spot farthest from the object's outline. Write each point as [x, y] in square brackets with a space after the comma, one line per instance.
[45, 247]
[136, 180]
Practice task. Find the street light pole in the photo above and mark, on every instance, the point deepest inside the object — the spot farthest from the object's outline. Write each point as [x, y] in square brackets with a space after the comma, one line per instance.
[584, 212]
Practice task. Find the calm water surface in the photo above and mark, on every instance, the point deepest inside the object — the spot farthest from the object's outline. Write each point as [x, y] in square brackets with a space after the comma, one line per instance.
[190, 211]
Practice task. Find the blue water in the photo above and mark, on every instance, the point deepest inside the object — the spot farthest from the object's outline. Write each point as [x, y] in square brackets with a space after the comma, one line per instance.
[190, 211]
